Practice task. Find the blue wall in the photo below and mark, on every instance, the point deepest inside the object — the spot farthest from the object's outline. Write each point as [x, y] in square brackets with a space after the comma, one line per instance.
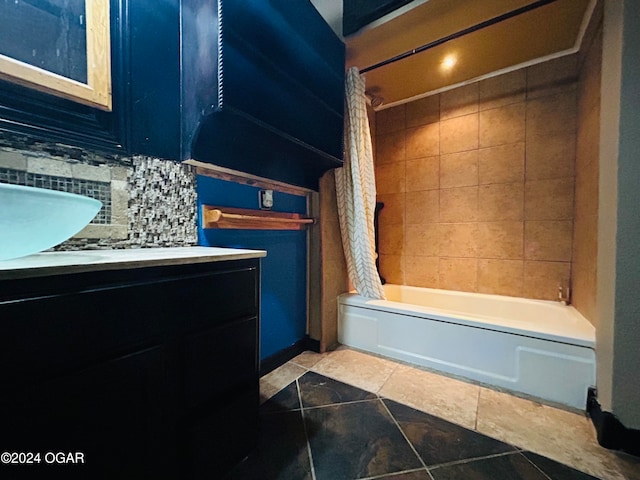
[284, 269]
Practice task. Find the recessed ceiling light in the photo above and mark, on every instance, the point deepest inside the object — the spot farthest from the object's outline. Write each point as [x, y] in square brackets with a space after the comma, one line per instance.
[448, 62]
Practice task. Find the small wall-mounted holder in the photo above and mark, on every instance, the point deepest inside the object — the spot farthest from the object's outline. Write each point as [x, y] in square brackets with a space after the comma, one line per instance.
[265, 199]
[243, 219]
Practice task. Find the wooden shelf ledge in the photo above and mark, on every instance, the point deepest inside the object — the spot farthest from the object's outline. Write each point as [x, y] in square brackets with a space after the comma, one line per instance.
[245, 219]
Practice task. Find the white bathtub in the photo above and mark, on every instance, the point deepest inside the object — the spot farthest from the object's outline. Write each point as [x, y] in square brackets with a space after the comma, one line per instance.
[540, 348]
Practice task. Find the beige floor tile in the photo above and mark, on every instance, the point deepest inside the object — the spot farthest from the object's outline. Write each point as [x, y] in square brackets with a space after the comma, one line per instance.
[441, 396]
[308, 359]
[276, 380]
[566, 437]
[356, 368]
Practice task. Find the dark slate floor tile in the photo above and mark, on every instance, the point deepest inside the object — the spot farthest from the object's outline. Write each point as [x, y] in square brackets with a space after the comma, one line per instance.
[356, 440]
[317, 390]
[555, 470]
[504, 467]
[438, 441]
[419, 475]
[282, 452]
[285, 400]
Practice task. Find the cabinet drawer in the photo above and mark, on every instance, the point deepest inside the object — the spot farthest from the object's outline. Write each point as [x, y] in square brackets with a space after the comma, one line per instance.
[220, 360]
[52, 335]
[221, 440]
[111, 413]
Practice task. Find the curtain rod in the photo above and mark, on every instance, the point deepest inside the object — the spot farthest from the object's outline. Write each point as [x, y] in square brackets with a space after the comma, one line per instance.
[461, 33]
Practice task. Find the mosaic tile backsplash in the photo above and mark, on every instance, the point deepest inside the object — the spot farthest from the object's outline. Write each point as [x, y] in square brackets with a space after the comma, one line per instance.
[162, 204]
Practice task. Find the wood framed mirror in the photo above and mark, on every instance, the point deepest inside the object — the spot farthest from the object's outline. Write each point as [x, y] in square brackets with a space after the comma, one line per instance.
[60, 47]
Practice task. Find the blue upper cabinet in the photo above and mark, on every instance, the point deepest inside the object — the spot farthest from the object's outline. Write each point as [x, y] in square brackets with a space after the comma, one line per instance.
[259, 87]
[255, 86]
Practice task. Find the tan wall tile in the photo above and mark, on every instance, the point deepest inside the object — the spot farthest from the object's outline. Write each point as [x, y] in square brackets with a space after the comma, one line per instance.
[328, 197]
[501, 164]
[459, 169]
[390, 148]
[584, 291]
[391, 240]
[585, 237]
[500, 240]
[502, 125]
[423, 111]
[390, 178]
[392, 268]
[458, 239]
[423, 141]
[548, 240]
[584, 270]
[501, 277]
[549, 199]
[458, 102]
[590, 76]
[587, 165]
[422, 207]
[390, 120]
[551, 156]
[393, 211]
[459, 204]
[552, 77]
[500, 201]
[585, 241]
[423, 174]
[552, 115]
[458, 274]
[331, 241]
[422, 271]
[503, 90]
[461, 172]
[422, 240]
[541, 279]
[459, 134]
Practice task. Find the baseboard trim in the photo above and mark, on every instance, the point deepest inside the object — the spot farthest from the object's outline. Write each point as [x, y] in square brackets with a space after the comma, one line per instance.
[283, 356]
[610, 431]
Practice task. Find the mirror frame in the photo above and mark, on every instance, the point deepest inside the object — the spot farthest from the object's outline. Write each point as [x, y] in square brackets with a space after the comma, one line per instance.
[97, 91]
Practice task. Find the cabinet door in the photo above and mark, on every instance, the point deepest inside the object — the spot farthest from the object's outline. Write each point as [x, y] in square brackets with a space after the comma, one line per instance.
[112, 414]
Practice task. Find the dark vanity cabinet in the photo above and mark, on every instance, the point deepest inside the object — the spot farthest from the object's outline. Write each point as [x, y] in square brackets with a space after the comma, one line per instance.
[148, 373]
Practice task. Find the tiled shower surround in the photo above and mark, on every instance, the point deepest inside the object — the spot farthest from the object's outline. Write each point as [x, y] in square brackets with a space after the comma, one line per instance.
[150, 202]
[478, 184]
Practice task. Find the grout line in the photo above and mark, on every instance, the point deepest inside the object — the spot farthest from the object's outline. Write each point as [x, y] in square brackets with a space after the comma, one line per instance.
[388, 475]
[475, 425]
[405, 437]
[474, 459]
[306, 435]
[536, 466]
[341, 403]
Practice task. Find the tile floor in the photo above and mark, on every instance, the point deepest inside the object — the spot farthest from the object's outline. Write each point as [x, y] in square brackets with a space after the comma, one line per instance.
[349, 415]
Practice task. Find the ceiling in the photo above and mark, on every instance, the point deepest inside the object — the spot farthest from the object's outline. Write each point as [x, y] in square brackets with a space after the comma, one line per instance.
[550, 30]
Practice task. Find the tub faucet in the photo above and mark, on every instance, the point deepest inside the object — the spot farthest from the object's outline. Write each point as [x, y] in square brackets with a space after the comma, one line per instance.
[564, 294]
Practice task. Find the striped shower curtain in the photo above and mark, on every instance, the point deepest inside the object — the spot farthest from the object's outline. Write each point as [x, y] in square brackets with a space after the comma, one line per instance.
[356, 192]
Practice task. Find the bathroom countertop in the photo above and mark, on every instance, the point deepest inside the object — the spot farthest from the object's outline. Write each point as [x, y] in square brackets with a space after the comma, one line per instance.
[58, 263]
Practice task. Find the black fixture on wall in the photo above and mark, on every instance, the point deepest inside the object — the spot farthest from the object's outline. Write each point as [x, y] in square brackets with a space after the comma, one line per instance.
[610, 431]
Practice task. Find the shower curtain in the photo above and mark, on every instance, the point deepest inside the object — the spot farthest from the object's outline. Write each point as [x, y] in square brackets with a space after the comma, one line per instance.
[356, 192]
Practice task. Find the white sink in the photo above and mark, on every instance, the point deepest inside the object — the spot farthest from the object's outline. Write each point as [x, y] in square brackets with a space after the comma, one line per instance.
[35, 219]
